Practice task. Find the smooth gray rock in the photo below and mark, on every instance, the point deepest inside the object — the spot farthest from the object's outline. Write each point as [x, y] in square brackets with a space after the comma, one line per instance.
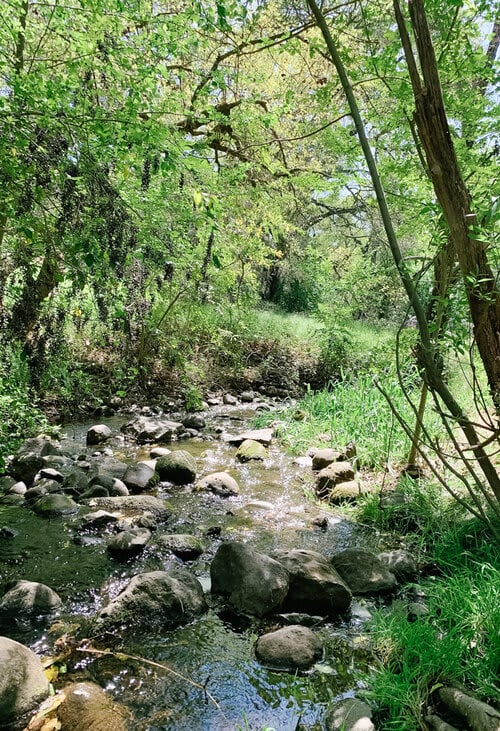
[129, 542]
[99, 518]
[194, 421]
[254, 583]
[315, 586]
[109, 467]
[28, 599]
[18, 488]
[153, 430]
[476, 715]
[220, 483]
[178, 467]
[51, 473]
[229, 400]
[159, 452]
[363, 571]
[400, 563]
[22, 681]
[97, 434]
[290, 648]
[157, 598]
[113, 485]
[247, 397]
[140, 477]
[349, 714]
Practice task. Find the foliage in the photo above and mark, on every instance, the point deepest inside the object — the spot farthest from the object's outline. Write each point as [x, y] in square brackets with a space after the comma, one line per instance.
[20, 416]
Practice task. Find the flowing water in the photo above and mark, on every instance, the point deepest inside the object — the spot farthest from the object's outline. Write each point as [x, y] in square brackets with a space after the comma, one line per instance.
[216, 651]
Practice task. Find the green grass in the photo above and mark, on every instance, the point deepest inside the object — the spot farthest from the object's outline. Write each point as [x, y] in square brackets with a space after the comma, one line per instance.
[457, 641]
[352, 410]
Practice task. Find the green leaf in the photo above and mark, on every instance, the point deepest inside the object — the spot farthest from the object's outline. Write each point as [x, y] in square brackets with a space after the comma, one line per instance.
[216, 261]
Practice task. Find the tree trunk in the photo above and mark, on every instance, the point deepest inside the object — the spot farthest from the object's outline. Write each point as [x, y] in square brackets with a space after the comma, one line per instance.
[452, 194]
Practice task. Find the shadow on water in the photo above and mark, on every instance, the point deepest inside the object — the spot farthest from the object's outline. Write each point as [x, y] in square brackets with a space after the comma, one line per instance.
[216, 651]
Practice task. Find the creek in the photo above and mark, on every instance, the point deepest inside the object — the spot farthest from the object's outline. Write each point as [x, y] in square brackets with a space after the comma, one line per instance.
[271, 511]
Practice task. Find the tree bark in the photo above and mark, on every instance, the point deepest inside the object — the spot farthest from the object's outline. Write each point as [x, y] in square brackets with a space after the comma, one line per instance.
[452, 193]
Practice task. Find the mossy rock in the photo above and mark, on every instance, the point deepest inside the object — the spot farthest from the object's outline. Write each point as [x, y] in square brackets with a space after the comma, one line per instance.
[178, 467]
[251, 450]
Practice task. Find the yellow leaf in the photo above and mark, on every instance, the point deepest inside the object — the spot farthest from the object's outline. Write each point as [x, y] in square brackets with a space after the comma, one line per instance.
[51, 673]
[197, 198]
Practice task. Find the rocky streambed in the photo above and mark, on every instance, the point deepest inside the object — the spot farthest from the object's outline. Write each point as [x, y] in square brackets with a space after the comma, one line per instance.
[176, 576]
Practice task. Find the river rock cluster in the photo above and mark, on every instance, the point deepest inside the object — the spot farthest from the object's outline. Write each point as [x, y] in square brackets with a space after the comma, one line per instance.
[104, 495]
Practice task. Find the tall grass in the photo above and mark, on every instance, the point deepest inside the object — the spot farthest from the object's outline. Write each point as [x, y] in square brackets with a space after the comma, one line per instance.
[352, 410]
[456, 642]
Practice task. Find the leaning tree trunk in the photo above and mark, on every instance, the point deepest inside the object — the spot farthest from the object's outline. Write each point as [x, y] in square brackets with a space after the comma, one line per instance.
[452, 193]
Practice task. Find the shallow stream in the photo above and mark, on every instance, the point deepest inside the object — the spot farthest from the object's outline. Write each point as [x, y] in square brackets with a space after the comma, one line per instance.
[271, 511]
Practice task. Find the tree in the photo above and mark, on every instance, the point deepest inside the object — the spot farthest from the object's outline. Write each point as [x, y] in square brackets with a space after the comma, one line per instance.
[430, 359]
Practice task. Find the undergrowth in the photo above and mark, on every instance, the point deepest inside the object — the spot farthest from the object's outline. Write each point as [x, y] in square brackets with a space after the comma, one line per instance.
[456, 642]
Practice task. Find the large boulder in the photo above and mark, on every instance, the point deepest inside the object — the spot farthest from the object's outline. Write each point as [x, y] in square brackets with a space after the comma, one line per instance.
[255, 583]
[25, 466]
[97, 434]
[109, 467]
[473, 713]
[349, 714]
[86, 707]
[55, 504]
[220, 483]
[29, 598]
[315, 586]
[162, 598]
[363, 571]
[140, 477]
[347, 491]
[178, 467]
[289, 648]
[41, 445]
[113, 485]
[194, 421]
[22, 681]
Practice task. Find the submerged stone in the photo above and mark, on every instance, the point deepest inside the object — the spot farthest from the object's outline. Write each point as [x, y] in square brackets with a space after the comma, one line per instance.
[290, 648]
